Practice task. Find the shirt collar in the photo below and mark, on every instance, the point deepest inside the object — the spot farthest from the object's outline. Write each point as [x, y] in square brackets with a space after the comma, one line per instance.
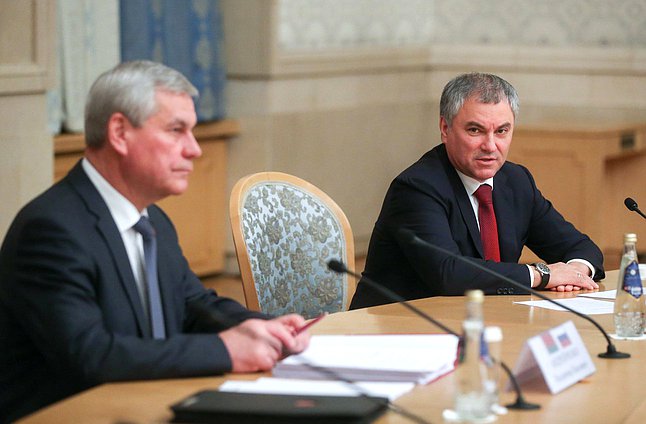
[471, 184]
[124, 213]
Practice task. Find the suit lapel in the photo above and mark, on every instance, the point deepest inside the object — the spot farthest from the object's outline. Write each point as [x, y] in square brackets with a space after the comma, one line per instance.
[504, 209]
[463, 202]
[107, 229]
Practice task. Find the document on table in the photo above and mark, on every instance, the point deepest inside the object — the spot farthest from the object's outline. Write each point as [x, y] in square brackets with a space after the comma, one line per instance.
[290, 386]
[415, 358]
[608, 294]
[580, 304]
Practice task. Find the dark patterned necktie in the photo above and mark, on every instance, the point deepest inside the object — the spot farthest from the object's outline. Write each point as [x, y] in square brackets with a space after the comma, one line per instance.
[145, 228]
[488, 225]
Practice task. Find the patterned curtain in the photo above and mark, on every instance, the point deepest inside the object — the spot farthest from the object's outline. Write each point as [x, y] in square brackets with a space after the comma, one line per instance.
[185, 35]
[87, 45]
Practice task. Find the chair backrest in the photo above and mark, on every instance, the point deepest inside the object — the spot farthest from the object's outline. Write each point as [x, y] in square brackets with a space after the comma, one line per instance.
[285, 230]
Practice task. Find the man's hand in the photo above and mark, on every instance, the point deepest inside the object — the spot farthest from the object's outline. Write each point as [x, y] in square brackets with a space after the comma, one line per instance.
[256, 345]
[570, 277]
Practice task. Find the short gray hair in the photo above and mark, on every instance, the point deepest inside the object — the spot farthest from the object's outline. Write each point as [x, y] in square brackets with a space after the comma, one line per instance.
[129, 88]
[488, 87]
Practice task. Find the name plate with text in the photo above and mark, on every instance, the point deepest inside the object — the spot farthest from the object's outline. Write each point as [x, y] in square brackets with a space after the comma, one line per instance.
[557, 356]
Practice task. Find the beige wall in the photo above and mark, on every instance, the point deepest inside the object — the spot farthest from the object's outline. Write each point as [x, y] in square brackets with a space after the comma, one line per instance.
[350, 117]
[26, 71]
[346, 113]
[348, 135]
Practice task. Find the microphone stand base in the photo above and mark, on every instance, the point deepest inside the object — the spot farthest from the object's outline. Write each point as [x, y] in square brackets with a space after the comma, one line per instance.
[522, 405]
[614, 355]
[611, 353]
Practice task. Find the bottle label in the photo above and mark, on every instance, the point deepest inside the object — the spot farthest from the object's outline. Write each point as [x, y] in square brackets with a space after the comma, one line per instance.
[632, 281]
[484, 349]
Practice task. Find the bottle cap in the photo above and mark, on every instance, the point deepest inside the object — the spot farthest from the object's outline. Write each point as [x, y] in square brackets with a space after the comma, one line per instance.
[630, 238]
[492, 334]
[475, 296]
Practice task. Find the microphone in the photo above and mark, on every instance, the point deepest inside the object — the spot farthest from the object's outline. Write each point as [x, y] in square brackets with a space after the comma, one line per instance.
[632, 206]
[408, 237]
[213, 316]
[338, 266]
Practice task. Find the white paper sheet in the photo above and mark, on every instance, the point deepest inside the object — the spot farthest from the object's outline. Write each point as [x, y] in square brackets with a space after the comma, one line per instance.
[608, 294]
[579, 304]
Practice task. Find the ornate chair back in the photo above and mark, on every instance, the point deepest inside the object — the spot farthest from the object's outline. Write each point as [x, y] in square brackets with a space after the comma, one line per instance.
[285, 230]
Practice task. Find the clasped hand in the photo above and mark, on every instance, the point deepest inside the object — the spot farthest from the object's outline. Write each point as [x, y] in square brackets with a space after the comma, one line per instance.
[570, 277]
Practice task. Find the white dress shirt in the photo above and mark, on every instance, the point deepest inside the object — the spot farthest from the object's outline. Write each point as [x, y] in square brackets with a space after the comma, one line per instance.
[125, 216]
[471, 185]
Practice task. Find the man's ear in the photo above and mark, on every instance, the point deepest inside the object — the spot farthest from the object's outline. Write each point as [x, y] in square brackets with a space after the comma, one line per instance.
[119, 128]
[444, 128]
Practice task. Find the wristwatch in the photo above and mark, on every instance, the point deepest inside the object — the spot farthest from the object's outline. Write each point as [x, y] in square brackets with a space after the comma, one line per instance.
[544, 272]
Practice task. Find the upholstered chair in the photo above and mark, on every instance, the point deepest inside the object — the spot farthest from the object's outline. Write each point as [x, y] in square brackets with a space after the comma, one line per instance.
[285, 230]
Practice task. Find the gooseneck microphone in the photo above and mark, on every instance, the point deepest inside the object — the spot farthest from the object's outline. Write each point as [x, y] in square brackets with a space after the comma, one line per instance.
[339, 267]
[214, 317]
[408, 237]
[632, 206]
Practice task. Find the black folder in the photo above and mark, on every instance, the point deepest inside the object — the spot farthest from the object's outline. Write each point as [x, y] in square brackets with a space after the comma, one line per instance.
[211, 406]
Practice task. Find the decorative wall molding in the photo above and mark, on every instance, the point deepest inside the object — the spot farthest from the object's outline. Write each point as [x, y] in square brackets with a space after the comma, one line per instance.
[304, 38]
[26, 65]
[584, 77]
[354, 60]
[308, 25]
[570, 60]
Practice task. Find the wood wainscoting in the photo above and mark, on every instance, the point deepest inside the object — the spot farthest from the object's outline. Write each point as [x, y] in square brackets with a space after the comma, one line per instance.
[587, 173]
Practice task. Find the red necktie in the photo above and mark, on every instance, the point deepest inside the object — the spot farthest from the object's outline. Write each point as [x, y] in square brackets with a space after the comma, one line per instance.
[488, 225]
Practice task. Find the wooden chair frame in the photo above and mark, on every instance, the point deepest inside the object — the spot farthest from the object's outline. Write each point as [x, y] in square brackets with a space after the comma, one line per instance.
[236, 200]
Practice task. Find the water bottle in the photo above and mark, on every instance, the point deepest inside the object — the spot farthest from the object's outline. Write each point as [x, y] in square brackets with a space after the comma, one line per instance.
[629, 303]
[472, 401]
[493, 346]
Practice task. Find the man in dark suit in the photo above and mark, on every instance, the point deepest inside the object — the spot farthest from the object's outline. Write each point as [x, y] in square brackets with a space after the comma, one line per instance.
[439, 199]
[81, 300]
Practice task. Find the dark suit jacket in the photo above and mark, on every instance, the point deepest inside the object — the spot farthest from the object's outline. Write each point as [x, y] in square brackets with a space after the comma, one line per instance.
[70, 313]
[429, 199]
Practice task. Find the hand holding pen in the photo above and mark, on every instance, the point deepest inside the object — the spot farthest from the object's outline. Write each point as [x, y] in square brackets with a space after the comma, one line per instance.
[310, 323]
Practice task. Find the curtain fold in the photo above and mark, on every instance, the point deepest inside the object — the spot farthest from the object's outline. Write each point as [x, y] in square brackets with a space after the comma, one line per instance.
[87, 45]
[185, 35]
[95, 35]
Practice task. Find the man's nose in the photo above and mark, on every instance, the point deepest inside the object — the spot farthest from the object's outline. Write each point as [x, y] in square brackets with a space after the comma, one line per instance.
[192, 148]
[489, 143]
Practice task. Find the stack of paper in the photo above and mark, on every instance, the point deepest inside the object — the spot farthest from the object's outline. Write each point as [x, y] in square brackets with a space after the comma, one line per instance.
[416, 358]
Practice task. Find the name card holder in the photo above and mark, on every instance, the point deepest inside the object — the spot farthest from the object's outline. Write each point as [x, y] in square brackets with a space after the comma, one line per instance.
[556, 356]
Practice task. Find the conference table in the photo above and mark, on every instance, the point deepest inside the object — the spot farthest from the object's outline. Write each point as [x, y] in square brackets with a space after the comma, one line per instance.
[615, 393]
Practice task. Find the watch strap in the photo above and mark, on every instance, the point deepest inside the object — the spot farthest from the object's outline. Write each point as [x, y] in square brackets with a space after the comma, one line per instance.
[545, 278]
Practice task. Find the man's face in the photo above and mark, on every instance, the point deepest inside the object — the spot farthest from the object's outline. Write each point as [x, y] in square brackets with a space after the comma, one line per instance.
[478, 140]
[160, 153]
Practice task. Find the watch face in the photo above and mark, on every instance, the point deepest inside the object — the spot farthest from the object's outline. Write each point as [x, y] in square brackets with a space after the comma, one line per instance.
[542, 268]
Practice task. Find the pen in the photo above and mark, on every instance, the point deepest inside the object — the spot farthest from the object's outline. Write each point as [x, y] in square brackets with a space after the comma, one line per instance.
[309, 324]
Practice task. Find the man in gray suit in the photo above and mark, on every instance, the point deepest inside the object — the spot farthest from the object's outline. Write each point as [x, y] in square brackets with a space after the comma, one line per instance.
[86, 295]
